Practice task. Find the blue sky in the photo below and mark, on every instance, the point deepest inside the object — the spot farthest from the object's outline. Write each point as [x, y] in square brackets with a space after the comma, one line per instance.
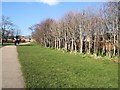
[25, 14]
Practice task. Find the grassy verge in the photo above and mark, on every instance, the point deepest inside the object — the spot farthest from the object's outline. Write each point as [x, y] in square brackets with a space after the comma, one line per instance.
[49, 68]
[5, 44]
[9, 43]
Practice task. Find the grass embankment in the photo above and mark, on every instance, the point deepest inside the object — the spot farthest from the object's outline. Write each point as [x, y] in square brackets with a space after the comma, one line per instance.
[45, 67]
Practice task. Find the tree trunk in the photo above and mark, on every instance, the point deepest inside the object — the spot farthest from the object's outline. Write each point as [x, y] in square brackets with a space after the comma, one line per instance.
[45, 42]
[95, 46]
[72, 44]
[81, 45]
[49, 43]
[109, 52]
[103, 45]
[59, 43]
[75, 47]
[65, 42]
[114, 41]
[55, 42]
[114, 49]
[89, 45]
[103, 50]
[118, 30]
[81, 42]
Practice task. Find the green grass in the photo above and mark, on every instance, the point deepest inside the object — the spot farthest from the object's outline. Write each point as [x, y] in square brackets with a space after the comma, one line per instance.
[49, 68]
[0, 45]
[8, 44]
[5, 44]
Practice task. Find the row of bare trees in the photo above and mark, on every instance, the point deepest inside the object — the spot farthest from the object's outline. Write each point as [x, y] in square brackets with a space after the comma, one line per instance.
[90, 31]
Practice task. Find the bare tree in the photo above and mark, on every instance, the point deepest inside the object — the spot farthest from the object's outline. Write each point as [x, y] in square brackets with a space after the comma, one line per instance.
[7, 28]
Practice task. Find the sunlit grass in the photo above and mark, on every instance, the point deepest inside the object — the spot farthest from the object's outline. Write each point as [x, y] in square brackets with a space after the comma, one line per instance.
[49, 68]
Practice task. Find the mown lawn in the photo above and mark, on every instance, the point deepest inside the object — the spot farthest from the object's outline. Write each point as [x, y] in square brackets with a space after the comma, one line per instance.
[49, 68]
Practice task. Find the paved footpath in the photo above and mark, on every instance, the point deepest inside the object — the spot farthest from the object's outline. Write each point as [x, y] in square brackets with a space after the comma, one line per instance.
[11, 69]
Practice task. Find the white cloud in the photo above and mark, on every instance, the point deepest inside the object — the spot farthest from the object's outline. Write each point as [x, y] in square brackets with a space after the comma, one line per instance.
[50, 2]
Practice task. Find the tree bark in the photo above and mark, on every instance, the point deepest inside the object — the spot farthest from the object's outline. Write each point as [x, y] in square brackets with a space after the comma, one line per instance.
[89, 46]
[114, 40]
[59, 43]
[81, 42]
[72, 44]
[114, 48]
[65, 42]
[55, 42]
[95, 45]
[75, 47]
